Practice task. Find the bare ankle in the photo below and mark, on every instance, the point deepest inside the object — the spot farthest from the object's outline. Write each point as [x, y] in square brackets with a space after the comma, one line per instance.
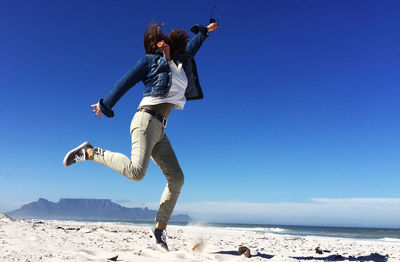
[161, 226]
[89, 153]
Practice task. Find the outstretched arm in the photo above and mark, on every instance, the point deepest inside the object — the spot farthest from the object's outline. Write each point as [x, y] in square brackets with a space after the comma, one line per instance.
[136, 74]
[201, 34]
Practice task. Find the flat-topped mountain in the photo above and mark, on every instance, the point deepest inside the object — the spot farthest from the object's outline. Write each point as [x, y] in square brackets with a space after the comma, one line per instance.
[86, 209]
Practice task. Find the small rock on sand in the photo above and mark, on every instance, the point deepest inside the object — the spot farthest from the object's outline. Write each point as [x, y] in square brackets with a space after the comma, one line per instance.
[244, 250]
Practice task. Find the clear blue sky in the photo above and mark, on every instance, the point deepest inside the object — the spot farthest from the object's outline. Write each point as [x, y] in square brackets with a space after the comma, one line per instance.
[301, 106]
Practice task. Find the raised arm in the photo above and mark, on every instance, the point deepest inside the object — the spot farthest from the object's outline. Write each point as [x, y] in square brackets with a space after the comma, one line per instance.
[201, 34]
[136, 74]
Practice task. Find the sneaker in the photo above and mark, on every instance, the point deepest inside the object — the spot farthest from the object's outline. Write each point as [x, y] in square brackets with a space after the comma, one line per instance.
[77, 154]
[161, 238]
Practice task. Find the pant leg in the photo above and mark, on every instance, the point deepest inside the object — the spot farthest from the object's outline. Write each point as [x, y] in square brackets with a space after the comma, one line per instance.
[164, 156]
[145, 132]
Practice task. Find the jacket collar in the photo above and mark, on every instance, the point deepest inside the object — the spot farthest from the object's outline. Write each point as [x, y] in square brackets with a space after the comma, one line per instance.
[179, 57]
[160, 53]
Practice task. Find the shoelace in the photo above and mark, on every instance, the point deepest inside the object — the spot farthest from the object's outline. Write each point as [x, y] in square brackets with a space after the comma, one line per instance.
[164, 236]
[80, 158]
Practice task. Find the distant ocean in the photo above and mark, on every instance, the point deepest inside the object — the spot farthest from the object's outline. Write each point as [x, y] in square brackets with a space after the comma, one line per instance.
[383, 234]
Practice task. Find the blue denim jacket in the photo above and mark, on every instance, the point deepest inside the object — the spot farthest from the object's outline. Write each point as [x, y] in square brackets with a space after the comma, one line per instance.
[154, 71]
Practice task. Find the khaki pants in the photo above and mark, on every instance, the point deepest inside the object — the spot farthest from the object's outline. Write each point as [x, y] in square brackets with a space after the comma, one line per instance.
[148, 140]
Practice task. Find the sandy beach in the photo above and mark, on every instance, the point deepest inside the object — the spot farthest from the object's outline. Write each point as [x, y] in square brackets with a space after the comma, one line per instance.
[43, 240]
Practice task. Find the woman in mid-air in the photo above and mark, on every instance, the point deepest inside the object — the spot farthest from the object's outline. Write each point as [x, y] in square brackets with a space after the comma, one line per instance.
[168, 72]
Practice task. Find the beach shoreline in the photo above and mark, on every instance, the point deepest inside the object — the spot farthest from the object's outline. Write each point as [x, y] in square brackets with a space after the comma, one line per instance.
[53, 240]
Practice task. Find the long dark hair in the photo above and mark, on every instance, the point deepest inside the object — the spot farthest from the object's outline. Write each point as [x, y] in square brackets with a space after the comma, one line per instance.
[176, 39]
[152, 36]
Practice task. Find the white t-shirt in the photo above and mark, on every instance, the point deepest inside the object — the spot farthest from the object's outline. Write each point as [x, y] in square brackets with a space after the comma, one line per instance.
[176, 94]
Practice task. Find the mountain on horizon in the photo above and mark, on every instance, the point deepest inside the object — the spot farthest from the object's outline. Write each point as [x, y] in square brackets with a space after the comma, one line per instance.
[87, 209]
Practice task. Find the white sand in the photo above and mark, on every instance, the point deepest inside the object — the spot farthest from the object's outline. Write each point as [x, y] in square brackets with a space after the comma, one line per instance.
[34, 240]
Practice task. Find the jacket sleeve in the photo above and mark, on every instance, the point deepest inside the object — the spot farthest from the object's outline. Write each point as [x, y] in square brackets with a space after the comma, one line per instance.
[136, 74]
[195, 43]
